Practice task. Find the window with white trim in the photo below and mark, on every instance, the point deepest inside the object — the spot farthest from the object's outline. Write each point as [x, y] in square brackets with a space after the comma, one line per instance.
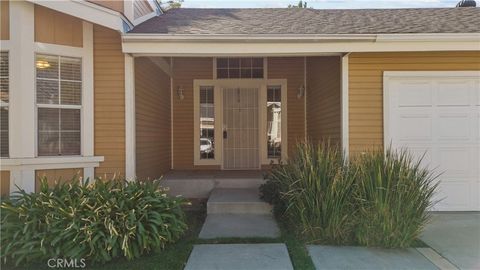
[274, 121]
[240, 68]
[207, 123]
[59, 105]
[4, 102]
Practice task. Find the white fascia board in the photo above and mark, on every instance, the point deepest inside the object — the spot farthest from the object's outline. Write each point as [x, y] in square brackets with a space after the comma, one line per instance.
[293, 45]
[287, 49]
[244, 37]
[89, 12]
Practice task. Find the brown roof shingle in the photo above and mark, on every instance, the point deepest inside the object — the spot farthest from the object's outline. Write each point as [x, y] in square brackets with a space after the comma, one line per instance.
[277, 21]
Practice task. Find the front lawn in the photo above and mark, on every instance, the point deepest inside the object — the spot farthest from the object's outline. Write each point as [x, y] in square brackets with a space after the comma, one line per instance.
[175, 256]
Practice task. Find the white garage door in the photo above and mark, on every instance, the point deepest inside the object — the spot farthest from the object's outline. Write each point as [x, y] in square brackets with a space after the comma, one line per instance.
[438, 113]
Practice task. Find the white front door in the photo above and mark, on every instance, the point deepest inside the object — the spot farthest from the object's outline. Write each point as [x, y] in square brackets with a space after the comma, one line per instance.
[240, 128]
[437, 113]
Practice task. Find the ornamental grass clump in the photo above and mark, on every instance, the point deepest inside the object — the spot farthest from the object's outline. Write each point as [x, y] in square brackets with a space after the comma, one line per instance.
[393, 195]
[316, 191]
[95, 221]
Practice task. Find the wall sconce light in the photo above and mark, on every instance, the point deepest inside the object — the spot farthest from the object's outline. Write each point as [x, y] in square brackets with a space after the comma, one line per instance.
[301, 92]
[180, 93]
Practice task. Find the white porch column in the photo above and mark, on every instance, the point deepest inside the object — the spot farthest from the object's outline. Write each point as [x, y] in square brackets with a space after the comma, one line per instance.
[22, 92]
[344, 101]
[130, 162]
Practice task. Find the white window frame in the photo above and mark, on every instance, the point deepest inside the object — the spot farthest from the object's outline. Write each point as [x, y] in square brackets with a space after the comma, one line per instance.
[85, 53]
[219, 85]
[218, 116]
[58, 106]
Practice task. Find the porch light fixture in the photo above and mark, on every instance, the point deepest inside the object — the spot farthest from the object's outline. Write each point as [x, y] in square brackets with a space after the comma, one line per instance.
[301, 92]
[180, 93]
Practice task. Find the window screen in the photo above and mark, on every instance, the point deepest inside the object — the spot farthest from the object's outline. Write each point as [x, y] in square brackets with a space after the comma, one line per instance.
[59, 100]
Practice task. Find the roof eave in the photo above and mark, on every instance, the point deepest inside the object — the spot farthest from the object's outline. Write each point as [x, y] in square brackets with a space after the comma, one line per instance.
[424, 37]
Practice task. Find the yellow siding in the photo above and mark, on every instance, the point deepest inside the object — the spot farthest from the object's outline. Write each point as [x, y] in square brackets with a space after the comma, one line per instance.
[152, 111]
[366, 87]
[291, 68]
[323, 98]
[57, 176]
[57, 28]
[116, 5]
[5, 20]
[4, 183]
[109, 75]
[185, 70]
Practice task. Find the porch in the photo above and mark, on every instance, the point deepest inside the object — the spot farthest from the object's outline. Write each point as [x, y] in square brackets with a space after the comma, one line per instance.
[217, 122]
[199, 183]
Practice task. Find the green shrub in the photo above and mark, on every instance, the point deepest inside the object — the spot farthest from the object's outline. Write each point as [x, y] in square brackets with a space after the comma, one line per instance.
[96, 221]
[394, 193]
[317, 192]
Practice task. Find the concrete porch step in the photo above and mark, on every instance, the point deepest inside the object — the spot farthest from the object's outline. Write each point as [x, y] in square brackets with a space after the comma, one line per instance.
[237, 201]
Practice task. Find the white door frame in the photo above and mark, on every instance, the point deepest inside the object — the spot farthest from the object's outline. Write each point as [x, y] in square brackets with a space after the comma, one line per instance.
[219, 85]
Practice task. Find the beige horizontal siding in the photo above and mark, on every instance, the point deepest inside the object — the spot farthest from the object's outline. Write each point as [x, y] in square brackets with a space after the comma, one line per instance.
[185, 70]
[323, 98]
[116, 5]
[291, 68]
[5, 20]
[57, 28]
[4, 183]
[109, 83]
[152, 111]
[54, 176]
[366, 87]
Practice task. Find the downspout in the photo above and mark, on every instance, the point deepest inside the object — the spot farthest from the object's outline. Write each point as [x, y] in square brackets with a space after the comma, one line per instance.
[345, 105]
[171, 114]
[305, 95]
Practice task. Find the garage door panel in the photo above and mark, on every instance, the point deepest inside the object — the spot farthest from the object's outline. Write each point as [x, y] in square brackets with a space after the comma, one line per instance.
[453, 126]
[453, 195]
[437, 117]
[414, 93]
[455, 161]
[454, 92]
[421, 153]
[414, 127]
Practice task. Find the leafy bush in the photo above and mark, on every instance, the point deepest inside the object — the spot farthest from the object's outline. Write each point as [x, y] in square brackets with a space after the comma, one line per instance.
[394, 193]
[317, 192]
[96, 221]
[270, 192]
[378, 199]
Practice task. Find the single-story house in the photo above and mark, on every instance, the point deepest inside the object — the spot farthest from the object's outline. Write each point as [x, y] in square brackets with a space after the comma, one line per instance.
[123, 88]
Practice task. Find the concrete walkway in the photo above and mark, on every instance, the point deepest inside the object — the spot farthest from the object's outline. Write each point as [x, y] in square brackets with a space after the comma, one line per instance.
[240, 226]
[239, 257]
[455, 236]
[346, 257]
[239, 213]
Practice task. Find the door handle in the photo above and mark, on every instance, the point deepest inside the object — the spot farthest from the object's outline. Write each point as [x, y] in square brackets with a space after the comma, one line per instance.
[224, 134]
